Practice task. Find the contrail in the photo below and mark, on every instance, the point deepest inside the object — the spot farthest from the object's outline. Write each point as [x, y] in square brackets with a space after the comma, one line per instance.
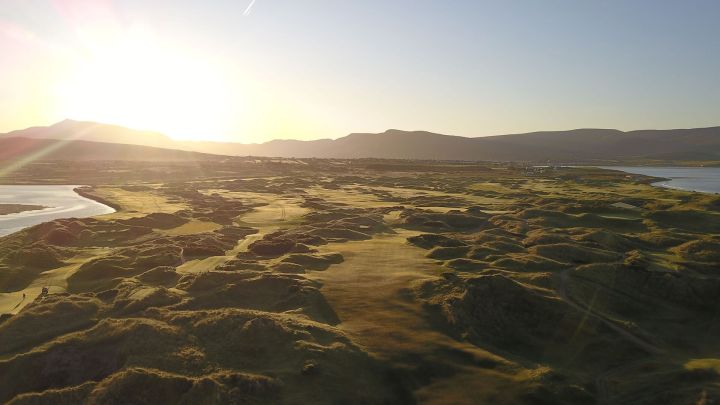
[249, 8]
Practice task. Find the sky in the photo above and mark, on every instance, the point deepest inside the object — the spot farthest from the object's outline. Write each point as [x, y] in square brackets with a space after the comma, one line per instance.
[252, 71]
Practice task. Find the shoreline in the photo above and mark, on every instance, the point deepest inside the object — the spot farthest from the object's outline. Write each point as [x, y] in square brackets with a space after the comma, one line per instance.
[664, 180]
[64, 201]
[87, 192]
[8, 209]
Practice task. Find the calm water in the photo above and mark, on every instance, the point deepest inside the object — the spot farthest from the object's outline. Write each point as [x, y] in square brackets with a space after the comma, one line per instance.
[62, 202]
[703, 179]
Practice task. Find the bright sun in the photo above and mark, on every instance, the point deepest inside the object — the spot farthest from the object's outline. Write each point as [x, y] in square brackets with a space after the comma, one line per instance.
[138, 83]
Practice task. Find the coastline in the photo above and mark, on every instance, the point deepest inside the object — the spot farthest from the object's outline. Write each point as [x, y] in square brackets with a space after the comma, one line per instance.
[8, 209]
[56, 202]
[679, 178]
[87, 192]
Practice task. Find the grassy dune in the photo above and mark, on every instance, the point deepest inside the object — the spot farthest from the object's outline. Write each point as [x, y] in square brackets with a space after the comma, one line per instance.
[258, 281]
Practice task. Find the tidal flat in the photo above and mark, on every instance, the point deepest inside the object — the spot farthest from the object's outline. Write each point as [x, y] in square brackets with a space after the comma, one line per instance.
[362, 281]
[6, 209]
[22, 206]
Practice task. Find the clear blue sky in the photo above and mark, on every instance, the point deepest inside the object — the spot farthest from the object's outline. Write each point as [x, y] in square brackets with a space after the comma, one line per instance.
[324, 68]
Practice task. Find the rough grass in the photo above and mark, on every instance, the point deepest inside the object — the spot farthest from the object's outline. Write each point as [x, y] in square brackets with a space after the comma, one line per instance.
[439, 284]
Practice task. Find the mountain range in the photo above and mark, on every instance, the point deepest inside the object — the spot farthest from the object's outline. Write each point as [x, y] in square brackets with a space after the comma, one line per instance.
[573, 146]
[32, 149]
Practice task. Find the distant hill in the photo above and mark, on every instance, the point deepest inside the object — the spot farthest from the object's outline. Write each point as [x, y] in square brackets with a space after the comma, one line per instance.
[14, 149]
[580, 145]
[93, 131]
[610, 144]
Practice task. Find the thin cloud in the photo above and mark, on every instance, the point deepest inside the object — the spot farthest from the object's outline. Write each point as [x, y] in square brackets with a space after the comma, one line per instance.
[249, 8]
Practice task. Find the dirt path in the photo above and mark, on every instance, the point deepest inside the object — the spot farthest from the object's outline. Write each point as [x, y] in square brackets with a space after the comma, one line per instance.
[366, 292]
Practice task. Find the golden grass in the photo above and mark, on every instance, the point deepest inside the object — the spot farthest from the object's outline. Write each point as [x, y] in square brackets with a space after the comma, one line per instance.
[137, 203]
[366, 293]
[383, 292]
[703, 364]
[55, 280]
[267, 219]
[191, 228]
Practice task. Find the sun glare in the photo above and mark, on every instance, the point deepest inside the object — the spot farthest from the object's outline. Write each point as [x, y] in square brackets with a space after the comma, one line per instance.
[138, 82]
